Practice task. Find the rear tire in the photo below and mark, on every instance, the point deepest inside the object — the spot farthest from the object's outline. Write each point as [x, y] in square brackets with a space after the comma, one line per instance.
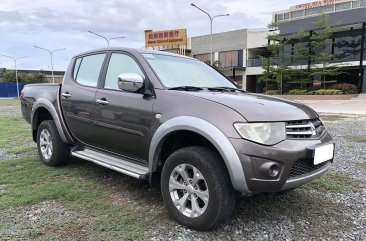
[51, 149]
[196, 188]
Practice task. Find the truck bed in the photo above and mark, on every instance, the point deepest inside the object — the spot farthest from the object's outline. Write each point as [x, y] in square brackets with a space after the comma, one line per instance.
[32, 92]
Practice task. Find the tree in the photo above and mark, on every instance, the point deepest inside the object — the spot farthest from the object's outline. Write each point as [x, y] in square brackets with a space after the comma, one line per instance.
[321, 43]
[275, 66]
[300, 57]
[9, 76]
[35, 77]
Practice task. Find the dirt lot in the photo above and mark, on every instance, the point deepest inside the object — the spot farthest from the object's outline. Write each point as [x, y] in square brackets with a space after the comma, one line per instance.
[82, 201]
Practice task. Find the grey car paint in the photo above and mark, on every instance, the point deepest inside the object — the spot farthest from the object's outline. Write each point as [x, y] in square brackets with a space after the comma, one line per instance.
[45, 103]
[258, 108]
[214, 113]
[211, 133]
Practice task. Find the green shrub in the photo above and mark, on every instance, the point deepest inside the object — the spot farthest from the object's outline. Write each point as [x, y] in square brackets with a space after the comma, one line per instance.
[270, 87]
[326, 92]
[297, 92]
[272, 92]
[9, 76]
[346, 88]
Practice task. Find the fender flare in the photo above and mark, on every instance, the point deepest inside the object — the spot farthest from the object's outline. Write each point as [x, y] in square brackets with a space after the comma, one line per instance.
[211, 133]
[45, 103]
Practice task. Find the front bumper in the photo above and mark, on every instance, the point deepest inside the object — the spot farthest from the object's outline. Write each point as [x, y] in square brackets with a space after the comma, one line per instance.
[293, 157]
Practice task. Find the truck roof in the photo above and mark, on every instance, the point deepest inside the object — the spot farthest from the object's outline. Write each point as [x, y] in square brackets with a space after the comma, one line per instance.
[136, 50]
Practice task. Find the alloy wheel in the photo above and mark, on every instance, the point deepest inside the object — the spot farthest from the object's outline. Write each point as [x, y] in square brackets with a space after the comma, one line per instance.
[45, 143]
[188, 190]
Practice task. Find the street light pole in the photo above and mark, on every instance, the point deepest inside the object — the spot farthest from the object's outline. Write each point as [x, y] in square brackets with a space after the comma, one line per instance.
[51, 54]
[16, 69]
[106, 39]
[211, 22]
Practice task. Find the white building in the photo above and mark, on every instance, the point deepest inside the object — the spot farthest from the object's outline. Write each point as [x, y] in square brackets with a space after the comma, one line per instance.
[237, 52]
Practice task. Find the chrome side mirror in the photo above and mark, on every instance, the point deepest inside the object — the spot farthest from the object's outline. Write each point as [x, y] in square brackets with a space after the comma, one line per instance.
[130, 82]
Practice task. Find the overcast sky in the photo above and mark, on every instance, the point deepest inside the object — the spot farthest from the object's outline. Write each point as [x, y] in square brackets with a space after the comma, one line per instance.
[57, 24]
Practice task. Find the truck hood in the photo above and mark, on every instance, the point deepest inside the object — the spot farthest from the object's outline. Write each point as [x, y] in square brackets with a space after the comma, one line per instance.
[259, 108]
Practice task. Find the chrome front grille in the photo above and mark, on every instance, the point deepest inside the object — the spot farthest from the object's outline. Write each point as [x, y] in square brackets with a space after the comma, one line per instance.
[304, 129]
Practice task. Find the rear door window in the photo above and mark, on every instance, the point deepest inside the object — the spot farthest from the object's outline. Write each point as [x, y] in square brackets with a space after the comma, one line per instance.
[89, 70]
[76, 67]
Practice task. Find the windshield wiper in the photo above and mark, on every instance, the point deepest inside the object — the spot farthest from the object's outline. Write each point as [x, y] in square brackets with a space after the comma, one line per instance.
[227, 89]
[186, 88]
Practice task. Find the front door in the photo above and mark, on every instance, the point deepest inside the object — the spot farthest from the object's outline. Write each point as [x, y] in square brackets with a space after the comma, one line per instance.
[123, 120]
[78, 95]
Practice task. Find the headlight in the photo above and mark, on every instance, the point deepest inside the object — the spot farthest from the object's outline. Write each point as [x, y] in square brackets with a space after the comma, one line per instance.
[264, 133]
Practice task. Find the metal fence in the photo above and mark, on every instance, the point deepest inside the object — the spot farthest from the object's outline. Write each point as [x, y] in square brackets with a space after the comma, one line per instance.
[10, 89]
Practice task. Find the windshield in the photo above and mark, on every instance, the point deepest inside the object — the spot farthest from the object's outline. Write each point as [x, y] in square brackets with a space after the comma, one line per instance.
[177, 71]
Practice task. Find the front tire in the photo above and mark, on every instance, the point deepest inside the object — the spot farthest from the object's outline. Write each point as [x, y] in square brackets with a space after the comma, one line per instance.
[52, 150]
[196, 188]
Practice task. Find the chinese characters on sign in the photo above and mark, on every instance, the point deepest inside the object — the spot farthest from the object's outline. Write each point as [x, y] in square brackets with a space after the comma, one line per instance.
[166, 38]
[316, 4]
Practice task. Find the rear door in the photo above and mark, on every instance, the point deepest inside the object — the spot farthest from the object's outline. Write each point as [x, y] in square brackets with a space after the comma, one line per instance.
[78, 95]
[123, 125]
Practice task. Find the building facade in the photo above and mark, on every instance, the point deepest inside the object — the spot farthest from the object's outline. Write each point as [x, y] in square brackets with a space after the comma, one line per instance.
[238, 53]
[347, 18]
[235, 53]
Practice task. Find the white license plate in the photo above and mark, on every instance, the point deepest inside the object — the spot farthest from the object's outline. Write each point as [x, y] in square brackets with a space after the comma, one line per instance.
[323, 153]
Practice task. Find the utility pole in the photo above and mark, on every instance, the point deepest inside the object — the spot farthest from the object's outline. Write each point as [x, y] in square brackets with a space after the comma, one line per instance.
[105, 38]
[211, 21]
[16, 69]
[51, 54]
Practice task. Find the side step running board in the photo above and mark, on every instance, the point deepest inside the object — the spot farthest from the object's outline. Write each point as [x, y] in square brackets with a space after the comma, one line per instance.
[114, 163]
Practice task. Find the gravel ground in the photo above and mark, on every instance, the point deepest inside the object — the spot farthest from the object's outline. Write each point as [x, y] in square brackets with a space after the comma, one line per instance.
[303, 214]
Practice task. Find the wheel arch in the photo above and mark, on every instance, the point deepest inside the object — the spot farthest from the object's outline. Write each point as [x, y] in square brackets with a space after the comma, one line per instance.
[208, 131]
[44, 110]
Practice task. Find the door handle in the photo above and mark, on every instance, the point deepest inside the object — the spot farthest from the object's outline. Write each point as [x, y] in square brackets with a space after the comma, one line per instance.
[102, 101]
[66, 94]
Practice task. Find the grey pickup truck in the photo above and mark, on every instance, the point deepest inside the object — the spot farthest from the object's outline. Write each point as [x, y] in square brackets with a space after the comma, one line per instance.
[177, 122]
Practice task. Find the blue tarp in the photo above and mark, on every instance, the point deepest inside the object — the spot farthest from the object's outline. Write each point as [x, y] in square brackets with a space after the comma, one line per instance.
[10, 89]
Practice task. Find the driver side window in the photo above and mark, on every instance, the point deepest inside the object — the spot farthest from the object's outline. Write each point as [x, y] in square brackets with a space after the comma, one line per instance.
[120, 64]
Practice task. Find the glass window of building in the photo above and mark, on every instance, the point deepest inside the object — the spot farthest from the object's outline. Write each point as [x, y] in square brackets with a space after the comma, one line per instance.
[229, 58]
[287, 53]
[359, 3]
[300, 53]
[286, 16]
[342, 6]
[348, 48]
[297, 14]
[319, 51]
[356, 4]
[279, 17]
[319, 10]
[203, 57]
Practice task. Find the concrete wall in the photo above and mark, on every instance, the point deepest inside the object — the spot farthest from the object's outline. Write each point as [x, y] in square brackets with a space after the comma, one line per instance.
[257, 38]
[233, 40]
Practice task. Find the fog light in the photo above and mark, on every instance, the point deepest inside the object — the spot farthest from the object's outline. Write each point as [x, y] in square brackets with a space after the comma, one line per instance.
[273, 170]
[269, 169]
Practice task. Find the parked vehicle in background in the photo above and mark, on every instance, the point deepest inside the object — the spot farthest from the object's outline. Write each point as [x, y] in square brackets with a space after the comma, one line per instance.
[175, 120]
